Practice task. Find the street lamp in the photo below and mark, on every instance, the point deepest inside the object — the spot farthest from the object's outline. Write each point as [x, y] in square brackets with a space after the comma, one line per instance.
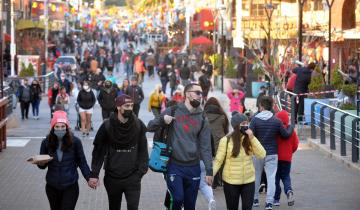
[46, 21]
[12, 43]
[221, 9]
[300, 35]
[329, 4]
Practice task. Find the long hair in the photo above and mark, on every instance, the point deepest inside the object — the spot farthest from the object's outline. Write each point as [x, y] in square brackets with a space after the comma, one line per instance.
[236, 139]
[53, 141]
[213, 101]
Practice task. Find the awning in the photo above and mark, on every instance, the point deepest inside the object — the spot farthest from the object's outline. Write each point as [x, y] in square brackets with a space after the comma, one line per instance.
[29, 24]
[201, 40]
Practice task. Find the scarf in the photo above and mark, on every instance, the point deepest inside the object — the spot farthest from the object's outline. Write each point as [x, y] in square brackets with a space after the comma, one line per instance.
[123, 135]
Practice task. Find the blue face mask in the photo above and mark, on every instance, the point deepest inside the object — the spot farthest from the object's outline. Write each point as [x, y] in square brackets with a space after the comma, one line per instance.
[60, 133]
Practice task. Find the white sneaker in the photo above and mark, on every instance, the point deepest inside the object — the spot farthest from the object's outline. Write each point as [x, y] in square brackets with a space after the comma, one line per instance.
[212, 205]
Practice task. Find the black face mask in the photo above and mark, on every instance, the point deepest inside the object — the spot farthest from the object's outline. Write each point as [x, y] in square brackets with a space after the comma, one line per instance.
[127, 113]
[108, 86]
[195, 103]
[243, 129]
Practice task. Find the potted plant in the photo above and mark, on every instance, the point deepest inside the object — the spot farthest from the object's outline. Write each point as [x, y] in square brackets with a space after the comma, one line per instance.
[317, 84]
[259, 71]
[230, 74]
[27, 71]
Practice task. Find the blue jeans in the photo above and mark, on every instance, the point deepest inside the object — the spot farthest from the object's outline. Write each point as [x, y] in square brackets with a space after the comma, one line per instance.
[129, 70]
[269, 163]
[35, 107]
[164, 82]
[183, 183]
[283, 174]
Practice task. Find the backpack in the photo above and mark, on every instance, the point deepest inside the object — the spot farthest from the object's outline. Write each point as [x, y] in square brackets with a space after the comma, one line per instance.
[161, 151]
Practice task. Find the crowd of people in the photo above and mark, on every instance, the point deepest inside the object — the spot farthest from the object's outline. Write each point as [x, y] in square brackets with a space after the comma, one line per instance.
[205, 154]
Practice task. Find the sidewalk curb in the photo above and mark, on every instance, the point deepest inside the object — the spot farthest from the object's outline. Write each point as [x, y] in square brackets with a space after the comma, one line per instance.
[333, 154]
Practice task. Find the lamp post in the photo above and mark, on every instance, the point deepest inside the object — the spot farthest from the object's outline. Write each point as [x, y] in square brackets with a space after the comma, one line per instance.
[1, 51]
[12, 43]
[46, 22]
[300, 35]
[221, 9]
[329, 4]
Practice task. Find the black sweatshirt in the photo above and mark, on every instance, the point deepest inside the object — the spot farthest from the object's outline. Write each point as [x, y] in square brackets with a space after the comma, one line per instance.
[120, 163]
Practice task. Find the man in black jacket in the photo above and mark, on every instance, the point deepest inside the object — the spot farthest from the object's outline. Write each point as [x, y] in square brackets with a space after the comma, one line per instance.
[303, 79]
[136, 93]
[106, 99]
[121, 145]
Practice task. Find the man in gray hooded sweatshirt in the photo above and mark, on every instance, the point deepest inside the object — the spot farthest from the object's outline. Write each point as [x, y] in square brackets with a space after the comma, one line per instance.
[191, 142]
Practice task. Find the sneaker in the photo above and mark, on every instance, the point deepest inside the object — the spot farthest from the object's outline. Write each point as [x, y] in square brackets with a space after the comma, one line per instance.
[88, 134]
[290, 198]
[276, 203]
[84, 134]
[256, 203]
[212, 204]
[268, 206]
[262, 188]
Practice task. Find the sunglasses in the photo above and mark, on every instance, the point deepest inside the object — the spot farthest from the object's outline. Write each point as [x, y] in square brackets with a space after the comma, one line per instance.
[197, 92]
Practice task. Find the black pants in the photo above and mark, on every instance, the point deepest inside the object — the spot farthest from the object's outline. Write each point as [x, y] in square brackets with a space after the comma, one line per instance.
[299, 109]
[136, 109]
[63, 199]
[233, 193]
[150, 70]
[24, 107]
[131, 187]
[106, 113]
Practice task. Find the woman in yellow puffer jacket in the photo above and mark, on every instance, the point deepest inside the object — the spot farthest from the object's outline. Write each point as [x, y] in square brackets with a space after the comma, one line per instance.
[156, 100]
[235, 154]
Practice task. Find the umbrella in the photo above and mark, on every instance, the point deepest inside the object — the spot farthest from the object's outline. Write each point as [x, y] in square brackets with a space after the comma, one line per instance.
[201, 40]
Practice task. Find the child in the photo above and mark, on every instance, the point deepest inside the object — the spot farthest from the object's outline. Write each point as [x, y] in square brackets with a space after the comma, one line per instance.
[235, 97]
[286, 148]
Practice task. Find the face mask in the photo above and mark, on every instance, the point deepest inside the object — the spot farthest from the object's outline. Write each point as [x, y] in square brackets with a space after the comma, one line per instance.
[86, 87]
[243, 129]
[60, 133]
[127, 113]
[195, 103]
[108, 85]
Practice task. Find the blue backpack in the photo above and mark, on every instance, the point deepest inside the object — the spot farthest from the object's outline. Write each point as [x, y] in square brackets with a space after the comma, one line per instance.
[161, 150]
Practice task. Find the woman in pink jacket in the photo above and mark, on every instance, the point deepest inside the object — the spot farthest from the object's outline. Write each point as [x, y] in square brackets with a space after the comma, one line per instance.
[235, 97]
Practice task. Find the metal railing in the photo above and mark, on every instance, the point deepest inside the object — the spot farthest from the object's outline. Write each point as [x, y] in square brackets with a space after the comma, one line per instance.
[286, 100]
[45, 81]
[328, 127]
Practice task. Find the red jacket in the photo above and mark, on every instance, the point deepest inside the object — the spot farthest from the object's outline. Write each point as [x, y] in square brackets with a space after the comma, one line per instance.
[286, 147]
[291, 82]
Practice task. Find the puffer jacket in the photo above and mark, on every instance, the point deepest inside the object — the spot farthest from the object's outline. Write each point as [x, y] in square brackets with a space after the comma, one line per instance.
[156, 100]
[63, 174]
[238, 170]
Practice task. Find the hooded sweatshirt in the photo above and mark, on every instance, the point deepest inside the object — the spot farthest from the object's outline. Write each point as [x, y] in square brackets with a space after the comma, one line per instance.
[189, 136]
[122, 148]
[286, 147]
[266, 128]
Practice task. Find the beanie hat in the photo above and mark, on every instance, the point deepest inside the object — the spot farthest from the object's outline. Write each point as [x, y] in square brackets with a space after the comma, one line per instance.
[123, 99]
[237, 118]
[59, 117]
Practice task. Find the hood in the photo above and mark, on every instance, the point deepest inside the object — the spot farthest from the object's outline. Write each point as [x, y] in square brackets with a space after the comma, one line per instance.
[212, 109]
[264, 115]
[283, 116]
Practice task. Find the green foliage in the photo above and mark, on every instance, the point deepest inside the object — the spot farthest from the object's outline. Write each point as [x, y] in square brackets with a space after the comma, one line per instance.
[216, 60]
[27, 71]
[349, 90]
[337, 80]
[317, 82]
[348, 106]
[258, 68]
[230, 71]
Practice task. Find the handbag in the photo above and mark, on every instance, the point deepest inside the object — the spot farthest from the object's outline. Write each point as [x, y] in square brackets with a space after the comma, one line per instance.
[161, 151]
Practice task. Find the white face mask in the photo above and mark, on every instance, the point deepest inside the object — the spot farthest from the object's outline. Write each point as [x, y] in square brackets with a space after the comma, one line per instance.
[86, 87]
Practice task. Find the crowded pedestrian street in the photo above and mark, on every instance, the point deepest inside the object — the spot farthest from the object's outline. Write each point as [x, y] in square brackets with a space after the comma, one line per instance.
[179, 105]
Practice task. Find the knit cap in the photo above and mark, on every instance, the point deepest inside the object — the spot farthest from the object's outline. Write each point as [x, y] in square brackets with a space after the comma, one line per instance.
[237, 118]
[59, 117]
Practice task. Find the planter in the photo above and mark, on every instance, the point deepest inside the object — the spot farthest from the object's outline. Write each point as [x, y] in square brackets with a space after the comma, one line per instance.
[255, 88]
[348, 123]
[307, 109]
[229, 84]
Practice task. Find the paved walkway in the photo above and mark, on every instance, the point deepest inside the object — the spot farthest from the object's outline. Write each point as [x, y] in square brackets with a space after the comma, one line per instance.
[320, 183]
